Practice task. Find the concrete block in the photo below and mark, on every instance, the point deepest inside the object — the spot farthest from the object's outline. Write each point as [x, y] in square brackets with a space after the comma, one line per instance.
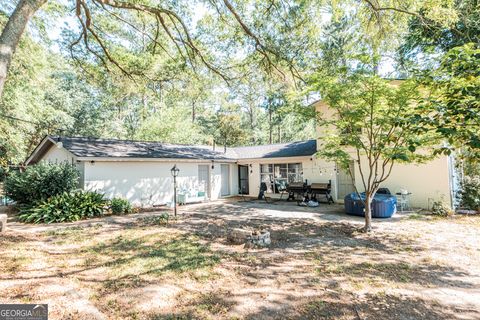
[3, 222]
[239, 236]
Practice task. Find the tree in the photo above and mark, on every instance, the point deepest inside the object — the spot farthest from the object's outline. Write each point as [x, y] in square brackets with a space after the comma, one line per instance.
[171, 126]
[374, 125]
[229, 132]
[12, 32]
[34, 101]
[274, 101]
[452, 107]
[163, 26]
[272, 34]
[427, 37]
[452, 75]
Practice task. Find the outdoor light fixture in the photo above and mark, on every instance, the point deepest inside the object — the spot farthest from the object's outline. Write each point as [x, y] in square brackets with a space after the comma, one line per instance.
[213, 165]
[59, 143]
[175, 172]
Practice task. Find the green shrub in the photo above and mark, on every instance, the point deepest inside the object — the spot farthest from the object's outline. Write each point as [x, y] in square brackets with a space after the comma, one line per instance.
[469, 194]
[120, 206]
[40, 182]
[440, 208]
[65, 207]
[161, 219]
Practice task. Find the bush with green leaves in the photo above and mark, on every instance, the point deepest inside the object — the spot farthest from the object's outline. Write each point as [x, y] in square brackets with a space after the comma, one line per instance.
[441, 208]
[120, 206]
[161, 219]
[469, 194]
[40, 182]
[65, 207]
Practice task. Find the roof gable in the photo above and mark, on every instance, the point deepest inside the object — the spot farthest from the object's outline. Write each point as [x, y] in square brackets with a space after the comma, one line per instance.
[42, 149]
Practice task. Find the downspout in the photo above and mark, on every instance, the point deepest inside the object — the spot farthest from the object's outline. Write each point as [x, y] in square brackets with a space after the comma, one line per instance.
[453, 181]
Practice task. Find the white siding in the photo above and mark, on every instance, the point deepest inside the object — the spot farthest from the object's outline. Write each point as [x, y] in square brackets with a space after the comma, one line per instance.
[146, 183]
[427, 182]
[234, 179]
[58, 155]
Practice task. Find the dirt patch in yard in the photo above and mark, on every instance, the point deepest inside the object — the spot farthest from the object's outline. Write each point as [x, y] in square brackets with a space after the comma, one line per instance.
[319, 266]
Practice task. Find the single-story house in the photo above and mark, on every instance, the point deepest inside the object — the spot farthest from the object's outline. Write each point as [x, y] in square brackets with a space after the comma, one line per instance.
[139, 171]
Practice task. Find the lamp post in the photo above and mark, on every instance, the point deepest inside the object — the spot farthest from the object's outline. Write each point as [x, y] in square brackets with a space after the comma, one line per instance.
[175, 172]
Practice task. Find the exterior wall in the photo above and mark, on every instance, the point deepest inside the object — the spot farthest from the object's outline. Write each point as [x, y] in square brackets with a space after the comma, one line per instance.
[427, 182]
[314, 170]
[146, 183]
[324, 112]
[58, 155]
[215, 181]
[234, 187]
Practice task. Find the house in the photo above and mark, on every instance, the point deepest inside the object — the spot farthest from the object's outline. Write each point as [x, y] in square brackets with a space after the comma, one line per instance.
[140, 170]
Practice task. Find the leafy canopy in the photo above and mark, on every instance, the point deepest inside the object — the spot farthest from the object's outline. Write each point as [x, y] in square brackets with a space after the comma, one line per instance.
[453, 106]
[373, 123]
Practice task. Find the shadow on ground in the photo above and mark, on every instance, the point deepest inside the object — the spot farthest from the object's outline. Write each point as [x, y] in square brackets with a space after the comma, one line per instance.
[319, 266]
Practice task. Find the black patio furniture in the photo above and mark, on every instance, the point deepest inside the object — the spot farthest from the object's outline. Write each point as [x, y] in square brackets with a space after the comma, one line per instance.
[324, 189]
[296, 190]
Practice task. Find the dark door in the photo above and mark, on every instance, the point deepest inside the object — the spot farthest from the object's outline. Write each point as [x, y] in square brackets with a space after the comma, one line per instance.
[243, 179]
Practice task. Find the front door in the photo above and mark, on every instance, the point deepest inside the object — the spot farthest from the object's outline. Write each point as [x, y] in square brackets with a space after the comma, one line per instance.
[345, 182]
[204, 179]
[243, 179]
[225, 175]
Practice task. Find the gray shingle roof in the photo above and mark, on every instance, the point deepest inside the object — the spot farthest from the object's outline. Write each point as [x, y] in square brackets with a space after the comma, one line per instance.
[112, 148]
[280, 150]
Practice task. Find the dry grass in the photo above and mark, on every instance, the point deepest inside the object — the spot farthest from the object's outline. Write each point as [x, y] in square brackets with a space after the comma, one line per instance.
[144, 269]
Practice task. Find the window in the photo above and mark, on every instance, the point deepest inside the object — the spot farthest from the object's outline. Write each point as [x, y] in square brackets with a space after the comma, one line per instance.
[278, 176]
[266, 175]
[295, 172]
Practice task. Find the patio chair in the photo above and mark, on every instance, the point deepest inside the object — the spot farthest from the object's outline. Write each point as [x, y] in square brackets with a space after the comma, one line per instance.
[261, 194]
[281, 187]
[242, 192]
[403, 200]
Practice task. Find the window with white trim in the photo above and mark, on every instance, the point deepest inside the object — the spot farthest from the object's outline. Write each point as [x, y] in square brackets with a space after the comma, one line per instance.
[278, 176]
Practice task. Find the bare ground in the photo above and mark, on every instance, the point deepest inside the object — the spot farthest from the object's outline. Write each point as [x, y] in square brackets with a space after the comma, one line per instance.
[319, 266]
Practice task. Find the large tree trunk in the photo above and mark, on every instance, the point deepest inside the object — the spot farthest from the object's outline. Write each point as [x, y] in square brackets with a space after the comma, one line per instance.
[12, 32]
[252, 125]
[368, 212]
[193, 112]
[270, 127]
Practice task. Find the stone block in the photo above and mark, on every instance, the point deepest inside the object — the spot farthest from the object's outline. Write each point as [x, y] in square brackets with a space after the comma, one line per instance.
[239, 236]
[3, 222]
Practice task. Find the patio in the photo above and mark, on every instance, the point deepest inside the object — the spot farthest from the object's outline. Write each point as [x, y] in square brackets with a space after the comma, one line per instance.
[318, 266]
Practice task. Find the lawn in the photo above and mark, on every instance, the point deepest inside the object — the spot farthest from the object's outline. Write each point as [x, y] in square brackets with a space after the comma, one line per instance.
[318, 267]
